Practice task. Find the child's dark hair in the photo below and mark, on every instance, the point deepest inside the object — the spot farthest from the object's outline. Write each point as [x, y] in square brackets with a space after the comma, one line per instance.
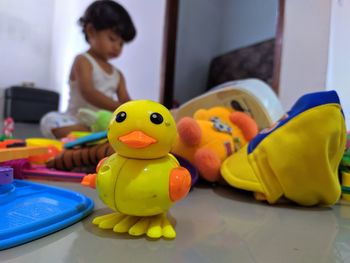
[107, 14]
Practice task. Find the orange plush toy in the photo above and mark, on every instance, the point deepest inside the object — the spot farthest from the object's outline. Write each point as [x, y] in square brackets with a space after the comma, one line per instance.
[212, 135]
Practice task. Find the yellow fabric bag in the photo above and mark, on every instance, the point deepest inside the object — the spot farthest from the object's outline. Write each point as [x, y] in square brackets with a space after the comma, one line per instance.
[298, 157]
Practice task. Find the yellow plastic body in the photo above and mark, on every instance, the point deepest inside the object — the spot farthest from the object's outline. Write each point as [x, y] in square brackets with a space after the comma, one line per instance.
[134, 186]
[44, 142]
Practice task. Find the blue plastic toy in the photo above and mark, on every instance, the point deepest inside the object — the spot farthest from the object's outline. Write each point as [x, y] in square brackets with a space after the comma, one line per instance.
[30, 210]
[93, 137]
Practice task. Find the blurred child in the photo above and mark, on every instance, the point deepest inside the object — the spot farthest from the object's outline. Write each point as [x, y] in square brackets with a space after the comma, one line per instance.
[95, 84]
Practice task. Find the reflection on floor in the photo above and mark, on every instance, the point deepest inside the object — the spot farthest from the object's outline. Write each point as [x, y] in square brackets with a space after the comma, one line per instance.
[214, 224]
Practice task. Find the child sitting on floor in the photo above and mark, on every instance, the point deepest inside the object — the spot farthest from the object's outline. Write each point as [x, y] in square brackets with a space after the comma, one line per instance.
[95, 84]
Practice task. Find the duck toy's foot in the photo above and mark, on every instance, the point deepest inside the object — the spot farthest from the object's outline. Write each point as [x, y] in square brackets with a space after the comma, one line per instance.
[153, 226]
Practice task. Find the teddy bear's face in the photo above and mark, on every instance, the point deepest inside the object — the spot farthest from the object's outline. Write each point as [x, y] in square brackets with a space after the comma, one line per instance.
[243, 125]
[219, 117]
[220, 137]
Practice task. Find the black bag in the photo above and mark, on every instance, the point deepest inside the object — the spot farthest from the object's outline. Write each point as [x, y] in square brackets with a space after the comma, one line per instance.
[25, 104]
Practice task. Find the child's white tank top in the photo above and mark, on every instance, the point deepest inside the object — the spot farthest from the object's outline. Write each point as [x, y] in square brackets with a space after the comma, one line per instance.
[103, 82]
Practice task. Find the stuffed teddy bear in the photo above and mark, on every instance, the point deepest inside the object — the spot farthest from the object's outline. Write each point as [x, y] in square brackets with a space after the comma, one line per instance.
[212, 135]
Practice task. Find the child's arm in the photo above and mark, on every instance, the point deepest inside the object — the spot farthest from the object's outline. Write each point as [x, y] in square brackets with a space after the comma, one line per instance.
[122, 92]
[82, 70]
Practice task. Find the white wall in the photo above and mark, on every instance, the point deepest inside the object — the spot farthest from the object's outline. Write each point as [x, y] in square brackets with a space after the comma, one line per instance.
[141, 60]
[305, 49]
[208, 28]
[40, 38]
[339, 55]
[247, 22]
[67, 41]
[25, 40]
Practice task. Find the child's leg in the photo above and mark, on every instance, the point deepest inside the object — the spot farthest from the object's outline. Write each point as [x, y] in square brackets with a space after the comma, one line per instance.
[62, 132]
[58, 125]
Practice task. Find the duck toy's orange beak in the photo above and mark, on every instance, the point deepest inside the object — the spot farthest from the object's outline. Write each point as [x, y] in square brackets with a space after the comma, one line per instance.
[137, 139]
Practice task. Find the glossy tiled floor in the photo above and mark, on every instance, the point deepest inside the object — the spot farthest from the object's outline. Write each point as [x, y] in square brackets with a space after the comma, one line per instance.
[213, 225]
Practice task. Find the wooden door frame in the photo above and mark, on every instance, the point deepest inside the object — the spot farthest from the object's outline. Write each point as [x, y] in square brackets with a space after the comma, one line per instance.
[278, 46]
[169, 51]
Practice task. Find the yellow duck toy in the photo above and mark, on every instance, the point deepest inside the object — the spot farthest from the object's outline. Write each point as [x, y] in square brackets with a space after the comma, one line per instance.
[142, 180]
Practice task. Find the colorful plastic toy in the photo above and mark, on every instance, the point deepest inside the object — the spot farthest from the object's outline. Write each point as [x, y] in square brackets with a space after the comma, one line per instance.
[23, 169]
[7, 154]
[82, 158]
[252, 96]
[193, 170]
[54, 147]
[9, 127]
[344, 170]
[10, 143]
[141, 181]
[44, 142]
[30, 211]
[96, 137]
[73, 135]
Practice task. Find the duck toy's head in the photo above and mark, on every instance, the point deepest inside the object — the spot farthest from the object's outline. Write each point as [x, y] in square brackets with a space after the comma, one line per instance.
[142, 129]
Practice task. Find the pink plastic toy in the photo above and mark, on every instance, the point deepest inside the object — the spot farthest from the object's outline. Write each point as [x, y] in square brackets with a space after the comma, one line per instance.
[9, 127]
[23, 169]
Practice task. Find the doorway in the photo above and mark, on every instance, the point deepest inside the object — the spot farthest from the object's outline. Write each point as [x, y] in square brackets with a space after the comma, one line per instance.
[177, 70]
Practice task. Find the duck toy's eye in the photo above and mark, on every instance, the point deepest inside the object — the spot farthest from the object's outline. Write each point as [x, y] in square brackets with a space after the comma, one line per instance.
[120, 117]
[156, 118]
